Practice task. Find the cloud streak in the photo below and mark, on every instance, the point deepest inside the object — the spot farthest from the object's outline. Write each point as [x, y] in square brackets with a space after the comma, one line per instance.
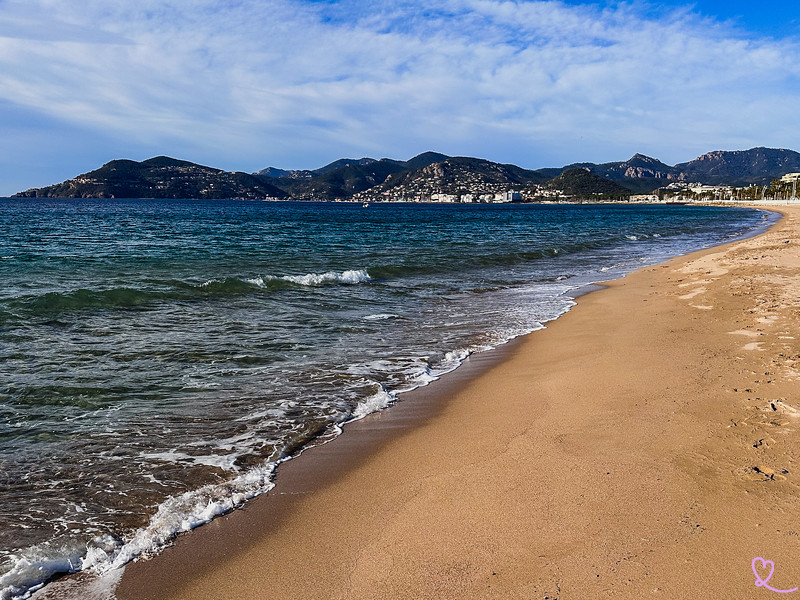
[242, 84]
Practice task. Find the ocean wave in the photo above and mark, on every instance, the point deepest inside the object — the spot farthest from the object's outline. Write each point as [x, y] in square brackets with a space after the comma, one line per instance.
[124, 297]
[447, 263]
[39, 564]
[34, 569]
[230, 286]
[378, 401]
[416, 376]
[314, 279]
[381, 317]
[53, 303]
[635, 237]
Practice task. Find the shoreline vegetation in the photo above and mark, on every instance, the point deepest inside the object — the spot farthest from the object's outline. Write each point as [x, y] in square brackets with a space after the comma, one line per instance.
[747, 175]
[643, 444]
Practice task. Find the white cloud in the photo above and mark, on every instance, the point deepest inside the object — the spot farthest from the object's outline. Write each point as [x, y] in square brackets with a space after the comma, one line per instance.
[245, 83]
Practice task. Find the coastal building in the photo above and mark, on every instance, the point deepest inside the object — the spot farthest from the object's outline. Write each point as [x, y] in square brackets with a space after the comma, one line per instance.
[645, 198]
[708, 189]
[679, 186]
[792, 178]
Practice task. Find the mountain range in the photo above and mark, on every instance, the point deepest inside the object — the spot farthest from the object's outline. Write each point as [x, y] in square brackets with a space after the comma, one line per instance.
[424, 175]
[735, 168]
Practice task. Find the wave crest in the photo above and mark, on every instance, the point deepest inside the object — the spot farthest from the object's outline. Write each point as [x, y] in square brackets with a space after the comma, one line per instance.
[106, 553]
[313, 279]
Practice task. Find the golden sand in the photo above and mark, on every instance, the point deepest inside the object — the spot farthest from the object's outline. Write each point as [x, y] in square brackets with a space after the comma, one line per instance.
[644, 445]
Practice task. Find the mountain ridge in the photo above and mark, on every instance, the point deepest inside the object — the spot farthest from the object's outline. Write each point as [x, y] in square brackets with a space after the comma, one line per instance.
[424, 175]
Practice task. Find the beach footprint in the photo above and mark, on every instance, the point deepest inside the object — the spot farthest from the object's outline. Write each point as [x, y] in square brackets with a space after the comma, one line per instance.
[762, 473]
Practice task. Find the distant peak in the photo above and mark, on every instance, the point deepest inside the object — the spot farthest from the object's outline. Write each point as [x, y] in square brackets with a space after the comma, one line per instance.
[165, 161]
[643, 158]
[426, 159]
[431, 155]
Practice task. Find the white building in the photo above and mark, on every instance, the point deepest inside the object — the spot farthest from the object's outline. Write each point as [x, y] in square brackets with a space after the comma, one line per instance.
[444, 198]
[509, 196]
[712, 189]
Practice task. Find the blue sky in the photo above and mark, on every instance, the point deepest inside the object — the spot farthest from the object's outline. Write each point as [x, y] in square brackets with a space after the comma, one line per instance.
[245, 84]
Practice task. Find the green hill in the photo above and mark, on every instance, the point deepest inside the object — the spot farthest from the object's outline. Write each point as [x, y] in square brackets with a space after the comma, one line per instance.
[581, 183]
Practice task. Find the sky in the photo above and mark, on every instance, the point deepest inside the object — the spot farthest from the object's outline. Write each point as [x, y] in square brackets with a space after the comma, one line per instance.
[245, 84]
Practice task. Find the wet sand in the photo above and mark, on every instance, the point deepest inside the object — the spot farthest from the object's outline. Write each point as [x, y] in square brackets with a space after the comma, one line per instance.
[643, 445]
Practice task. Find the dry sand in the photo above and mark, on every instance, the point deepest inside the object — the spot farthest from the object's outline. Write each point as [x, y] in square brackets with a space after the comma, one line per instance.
[644, 445]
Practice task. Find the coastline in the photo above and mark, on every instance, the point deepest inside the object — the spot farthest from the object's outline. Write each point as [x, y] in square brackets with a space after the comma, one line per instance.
[353, 531]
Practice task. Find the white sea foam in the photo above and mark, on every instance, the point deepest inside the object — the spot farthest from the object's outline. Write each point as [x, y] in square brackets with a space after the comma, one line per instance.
[312, 279]
[183, 513]
[225, 462]
[102, 587]
[374, 403]
[381, 317]
[457, 356]
[424, 378]
[105, 554]
[30, 571]
[358, 276]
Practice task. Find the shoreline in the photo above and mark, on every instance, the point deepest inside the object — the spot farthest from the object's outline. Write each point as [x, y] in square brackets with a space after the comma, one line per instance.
[240, 533]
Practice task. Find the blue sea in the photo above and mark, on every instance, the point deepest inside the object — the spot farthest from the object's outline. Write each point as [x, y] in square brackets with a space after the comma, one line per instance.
[159, 358]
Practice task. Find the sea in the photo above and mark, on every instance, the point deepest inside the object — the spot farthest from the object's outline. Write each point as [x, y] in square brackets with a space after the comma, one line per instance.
[159, 358]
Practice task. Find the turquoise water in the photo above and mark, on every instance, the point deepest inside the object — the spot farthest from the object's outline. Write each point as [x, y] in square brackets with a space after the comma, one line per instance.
[158, 358]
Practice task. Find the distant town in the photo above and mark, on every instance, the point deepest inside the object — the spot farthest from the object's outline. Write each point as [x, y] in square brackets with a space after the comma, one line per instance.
[779, 190]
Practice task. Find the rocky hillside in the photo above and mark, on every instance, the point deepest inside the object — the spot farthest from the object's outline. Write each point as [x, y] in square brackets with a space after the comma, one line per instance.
[741, 167]
[340, 183]
[159, 177]
[639, 173]
[738, 168]
[344, 178]
[454, 176]
[275, 173]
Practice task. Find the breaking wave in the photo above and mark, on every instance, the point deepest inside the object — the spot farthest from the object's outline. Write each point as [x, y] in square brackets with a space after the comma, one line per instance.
[37, 565]
[51, 303]
[313, 279]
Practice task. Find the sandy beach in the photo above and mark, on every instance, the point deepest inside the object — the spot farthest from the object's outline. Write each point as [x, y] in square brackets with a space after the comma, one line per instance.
[643, 445]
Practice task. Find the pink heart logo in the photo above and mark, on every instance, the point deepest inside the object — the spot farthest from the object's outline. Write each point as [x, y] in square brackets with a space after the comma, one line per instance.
[762, 567]
[764, 564]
